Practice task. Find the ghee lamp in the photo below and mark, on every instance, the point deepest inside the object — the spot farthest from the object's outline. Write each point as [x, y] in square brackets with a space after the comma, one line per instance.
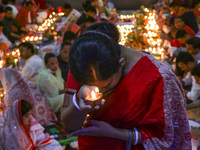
[94, 98]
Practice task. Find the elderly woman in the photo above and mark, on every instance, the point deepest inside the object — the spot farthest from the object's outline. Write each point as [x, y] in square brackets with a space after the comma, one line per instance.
[51, 83]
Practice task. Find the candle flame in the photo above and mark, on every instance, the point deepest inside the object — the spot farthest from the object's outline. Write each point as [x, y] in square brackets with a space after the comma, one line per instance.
[96, 90]
[93, 95]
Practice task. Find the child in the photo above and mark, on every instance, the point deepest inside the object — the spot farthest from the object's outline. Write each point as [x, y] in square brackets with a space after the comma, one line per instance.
[180, 24]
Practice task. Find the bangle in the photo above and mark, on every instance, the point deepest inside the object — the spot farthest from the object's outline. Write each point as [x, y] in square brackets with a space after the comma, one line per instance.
[136, 136]
[129, 143]
[75, 103]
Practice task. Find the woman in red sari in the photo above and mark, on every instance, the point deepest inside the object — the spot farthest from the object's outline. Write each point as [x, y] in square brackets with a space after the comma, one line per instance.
[144, 103]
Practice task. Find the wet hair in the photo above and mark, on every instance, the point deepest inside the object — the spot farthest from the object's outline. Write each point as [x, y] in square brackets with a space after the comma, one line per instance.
[90, 19]
[69, 36]
[181, 33]
[67, 6]
[8, 9]
[184, 57]
[173, 4]
[194, 41]
[25, 107]
[186, 5]
[88, 7]
[65, 43]
[94, 56]
[48, 56]
[106, 28]
[29, 3]
[196, 71]
[1, 24]
[28, 45]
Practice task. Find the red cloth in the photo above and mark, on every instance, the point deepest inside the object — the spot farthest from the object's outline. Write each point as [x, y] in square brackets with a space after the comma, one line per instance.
[2, 15]
[22, 16]
[189, 30]
[176, 43]
[150, 98]
[42, 4]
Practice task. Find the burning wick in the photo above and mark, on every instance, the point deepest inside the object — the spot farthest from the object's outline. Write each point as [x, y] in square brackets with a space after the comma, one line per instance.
[95, 95]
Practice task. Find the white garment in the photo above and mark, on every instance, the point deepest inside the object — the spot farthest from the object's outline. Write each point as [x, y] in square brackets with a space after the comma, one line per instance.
[4, 39]
[187, 79]
[195, 143]
[32, 67]
[14, 10]
[72, 18]
[195, 91]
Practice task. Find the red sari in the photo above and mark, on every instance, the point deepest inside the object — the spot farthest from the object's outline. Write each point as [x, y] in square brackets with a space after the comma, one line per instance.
[150, 98]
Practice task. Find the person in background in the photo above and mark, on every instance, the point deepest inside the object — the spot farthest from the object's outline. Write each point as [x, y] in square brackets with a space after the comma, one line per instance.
[4, 42]
[63, 59]
[26, 15]
[2, 12]
[72, 16]
[11, 3]
[89, 11]
[186, 62]
[180, 24]
[174, 7]
[69, 36]
[107, 9]
[97, 60]
[21, 130]
[194, 94]
[9, 22]
[193, 47]
[184, 8]
[51, 83]
[196, 11]
[33, 62]
[89, 21]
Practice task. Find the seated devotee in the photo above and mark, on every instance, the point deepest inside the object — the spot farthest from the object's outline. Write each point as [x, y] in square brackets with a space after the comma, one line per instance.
[8, 23]
[174, 7]
[89, 21]
[96, 60]
[194, 94]
[26, 15]
[22, 131]
[51, 83]
[180, 24]
[89, 11]
[4, 42]
[11, 3]
[63, 59]
[186, 62]
[17, 87]
[33, 62]
[193, 47]
[69, 36]
[72, 16]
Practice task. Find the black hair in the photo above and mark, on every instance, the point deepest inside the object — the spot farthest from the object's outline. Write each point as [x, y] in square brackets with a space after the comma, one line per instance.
[25, 107]
[29, 3]
[186, 5]
[8, 9]
[88, 7]
[87, 3]
[69, 36]
[173, 4]
[1, 24]
[194, 41]
[106, 28]
[93, 56]
[47, 56]
[5, 2]
[90, 19]
[181, 33]
[67, 6]
[1, 9]
[196, 71]
[13, 1]
[65, 43]
[28, 45]
[184, 57]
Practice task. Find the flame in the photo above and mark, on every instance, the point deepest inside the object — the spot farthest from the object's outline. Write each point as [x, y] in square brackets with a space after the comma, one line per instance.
[93, 95]
[96, 90]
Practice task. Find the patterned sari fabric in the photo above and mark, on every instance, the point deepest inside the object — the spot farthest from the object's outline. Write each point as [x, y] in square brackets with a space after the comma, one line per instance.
[14, 135]
[17, 87]
[150, 98]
